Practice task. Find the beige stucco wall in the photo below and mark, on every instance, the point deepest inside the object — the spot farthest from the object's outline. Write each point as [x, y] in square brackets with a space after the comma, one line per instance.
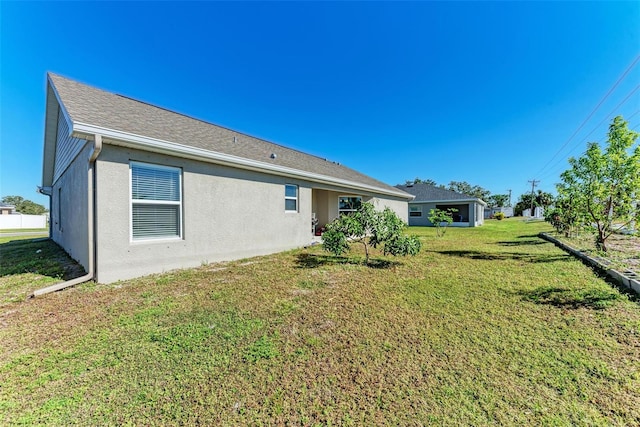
[321, 206]
[325, 203]
[227, 214]
[479, 215]
[399, 206]
[69, 208]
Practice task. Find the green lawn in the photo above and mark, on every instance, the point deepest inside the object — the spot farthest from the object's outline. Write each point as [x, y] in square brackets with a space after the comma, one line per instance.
[27, 264]
[485, 326]
[24, 230]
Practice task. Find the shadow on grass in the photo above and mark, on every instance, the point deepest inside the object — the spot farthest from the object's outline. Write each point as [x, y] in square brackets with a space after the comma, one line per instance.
[505, 256]
[573, 299]
[305, 260]
[528, 236]
[522, 242]
[40, 256]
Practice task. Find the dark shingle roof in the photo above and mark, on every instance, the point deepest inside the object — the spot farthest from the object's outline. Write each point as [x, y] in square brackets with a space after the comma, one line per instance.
[431, 193]
[91, 106]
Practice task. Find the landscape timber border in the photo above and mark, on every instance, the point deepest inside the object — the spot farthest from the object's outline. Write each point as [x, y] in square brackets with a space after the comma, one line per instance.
[628, 278]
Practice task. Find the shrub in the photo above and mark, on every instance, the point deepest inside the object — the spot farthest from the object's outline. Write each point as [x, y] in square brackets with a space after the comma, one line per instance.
[499, 216]
[371, 228]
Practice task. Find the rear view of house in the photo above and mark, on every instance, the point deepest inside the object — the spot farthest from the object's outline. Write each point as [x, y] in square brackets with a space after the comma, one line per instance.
[469, 210]
[137, 189]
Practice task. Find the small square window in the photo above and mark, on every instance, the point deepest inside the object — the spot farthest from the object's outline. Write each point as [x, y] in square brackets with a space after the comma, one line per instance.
[415, 210]
[347, 205]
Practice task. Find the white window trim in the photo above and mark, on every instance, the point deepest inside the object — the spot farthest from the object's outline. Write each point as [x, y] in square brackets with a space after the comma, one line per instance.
[154, 202]
[296, 198]
[349, 195]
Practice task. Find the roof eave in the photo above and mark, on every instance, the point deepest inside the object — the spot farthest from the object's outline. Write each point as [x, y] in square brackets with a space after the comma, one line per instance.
[116, 137]
[480, 201]
[54, 107]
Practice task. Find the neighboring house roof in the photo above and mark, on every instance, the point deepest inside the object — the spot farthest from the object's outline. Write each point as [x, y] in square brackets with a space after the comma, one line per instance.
[430, 193]
[5, 206]
[119, 119]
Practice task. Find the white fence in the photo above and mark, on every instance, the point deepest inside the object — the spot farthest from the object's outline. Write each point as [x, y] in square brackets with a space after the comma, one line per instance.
[18, 221]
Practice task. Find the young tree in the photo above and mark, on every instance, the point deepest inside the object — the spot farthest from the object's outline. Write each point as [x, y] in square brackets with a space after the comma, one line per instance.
[562, 216]
[441, 219]
[371, 228]
[541, 198]
[604, 186]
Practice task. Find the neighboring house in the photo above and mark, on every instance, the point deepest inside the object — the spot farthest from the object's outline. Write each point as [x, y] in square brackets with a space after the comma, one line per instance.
[490, 212]
[6, 209]
[137, 189]
[470, 210]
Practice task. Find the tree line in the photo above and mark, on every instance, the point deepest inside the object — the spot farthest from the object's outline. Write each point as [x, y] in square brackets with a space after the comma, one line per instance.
[23, 206]
[541, 198]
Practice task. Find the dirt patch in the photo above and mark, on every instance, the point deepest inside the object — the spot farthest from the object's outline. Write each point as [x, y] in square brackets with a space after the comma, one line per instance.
[71, 268]
[623, 251]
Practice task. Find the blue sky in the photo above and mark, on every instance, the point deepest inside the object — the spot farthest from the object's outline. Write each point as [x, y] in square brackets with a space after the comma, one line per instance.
[481, 92]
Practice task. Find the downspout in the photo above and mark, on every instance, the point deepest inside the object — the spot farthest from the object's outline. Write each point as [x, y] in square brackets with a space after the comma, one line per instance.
[47, 191]
[95, 152]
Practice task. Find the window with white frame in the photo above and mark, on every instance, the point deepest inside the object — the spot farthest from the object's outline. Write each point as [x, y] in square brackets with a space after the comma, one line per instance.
[290, 198]
[156, 201]
[348, 204]
[415, 210]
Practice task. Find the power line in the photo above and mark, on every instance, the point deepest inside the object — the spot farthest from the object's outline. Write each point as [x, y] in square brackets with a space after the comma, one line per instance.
[630, 127]
[633, 64]
[607, 117]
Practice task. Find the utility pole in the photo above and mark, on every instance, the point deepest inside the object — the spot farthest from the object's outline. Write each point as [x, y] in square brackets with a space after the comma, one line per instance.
[533, 186]
[509, 190]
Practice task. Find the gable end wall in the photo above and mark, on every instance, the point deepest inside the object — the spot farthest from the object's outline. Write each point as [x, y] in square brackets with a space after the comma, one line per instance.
[67, 147]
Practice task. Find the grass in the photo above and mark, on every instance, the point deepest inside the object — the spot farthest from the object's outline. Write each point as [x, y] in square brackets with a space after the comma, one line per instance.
[8, 239]
[28, 263]
[24, 230]
[485, 326]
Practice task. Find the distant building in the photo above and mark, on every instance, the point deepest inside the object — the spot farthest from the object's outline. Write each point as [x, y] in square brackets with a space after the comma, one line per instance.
[6, 209]
[469, 210]
[490, 212]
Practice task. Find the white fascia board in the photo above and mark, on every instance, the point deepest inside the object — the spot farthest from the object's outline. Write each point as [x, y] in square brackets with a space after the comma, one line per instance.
[171, 148]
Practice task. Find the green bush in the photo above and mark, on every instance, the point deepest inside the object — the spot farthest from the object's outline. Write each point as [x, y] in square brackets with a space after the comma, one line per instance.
[371, 228]
[499, 216]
